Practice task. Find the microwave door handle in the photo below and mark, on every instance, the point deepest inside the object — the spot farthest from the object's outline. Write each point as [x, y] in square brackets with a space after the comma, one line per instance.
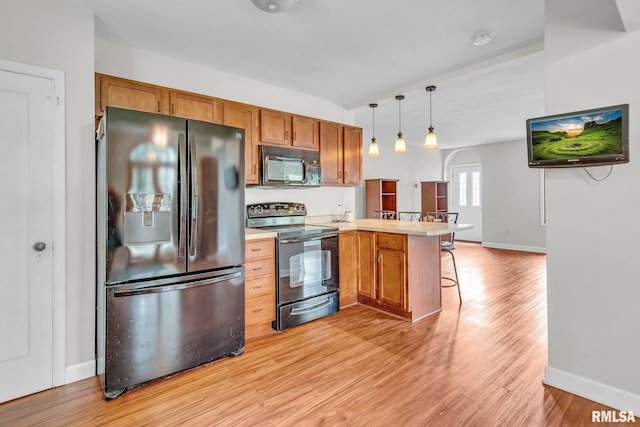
[194, 195]
[184, 180]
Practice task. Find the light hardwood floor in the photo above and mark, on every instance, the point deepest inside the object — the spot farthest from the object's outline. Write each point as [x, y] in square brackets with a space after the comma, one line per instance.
[478, 365]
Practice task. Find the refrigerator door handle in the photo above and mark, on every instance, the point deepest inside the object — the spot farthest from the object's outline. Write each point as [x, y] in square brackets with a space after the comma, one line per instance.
[194, 195]
[177, 287]
[184, 182]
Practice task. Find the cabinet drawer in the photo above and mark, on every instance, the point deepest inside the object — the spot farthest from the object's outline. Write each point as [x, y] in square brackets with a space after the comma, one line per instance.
[260, 309]
[261, 267]
[391, 241]
[259, 249]
[260, 286]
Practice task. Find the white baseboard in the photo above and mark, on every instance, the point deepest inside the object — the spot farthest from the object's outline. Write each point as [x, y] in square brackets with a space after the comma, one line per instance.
[614, 397]
[514, 247]
[80, 371]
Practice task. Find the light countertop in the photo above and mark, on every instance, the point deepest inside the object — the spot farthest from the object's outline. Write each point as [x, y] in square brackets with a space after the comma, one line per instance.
[256, 234]
[384, 225]
[409, 227]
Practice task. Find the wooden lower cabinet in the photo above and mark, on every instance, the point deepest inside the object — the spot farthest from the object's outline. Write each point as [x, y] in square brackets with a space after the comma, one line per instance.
[399, 273]
[348, 268]
[260, 287]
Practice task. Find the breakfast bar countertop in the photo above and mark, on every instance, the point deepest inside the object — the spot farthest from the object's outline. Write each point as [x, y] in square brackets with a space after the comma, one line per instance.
[401, 227]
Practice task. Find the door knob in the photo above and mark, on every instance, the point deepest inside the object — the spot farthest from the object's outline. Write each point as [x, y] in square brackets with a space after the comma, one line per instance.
[40, 246]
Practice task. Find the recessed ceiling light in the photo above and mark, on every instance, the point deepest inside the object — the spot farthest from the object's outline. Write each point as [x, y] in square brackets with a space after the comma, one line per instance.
[274, 6]
[480, 39]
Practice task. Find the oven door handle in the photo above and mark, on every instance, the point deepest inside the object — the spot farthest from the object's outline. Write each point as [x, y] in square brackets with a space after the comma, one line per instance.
[299, 311]
[308, 239]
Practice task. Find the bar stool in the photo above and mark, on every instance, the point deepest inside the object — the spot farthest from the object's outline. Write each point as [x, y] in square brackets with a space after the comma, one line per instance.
[384, 214]
[447, 244]
[409, 216]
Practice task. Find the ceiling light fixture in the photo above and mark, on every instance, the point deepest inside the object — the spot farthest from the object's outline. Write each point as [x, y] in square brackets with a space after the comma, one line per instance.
[373, 147]
[482, 38]
[430, 142]
[274, 6]
[400, 146]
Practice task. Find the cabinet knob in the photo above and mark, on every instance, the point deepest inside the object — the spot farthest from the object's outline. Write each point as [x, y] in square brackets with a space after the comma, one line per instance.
[286, 135]
[294, 136]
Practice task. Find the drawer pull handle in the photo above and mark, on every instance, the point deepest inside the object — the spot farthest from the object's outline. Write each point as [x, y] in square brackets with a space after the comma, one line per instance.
[256, 250]
[257, 287]
[257, 311]
[257, 269]
[391, 242]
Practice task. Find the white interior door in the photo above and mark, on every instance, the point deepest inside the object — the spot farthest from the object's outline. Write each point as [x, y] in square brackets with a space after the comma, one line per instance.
[466, 188]
[26, 227]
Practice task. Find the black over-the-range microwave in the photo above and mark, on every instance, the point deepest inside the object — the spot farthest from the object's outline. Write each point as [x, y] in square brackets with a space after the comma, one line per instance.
[282, 167]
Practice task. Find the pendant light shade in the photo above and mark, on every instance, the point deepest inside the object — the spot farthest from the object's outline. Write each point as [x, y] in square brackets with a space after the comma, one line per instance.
[373, 147]
[400, 146]
[430, 142]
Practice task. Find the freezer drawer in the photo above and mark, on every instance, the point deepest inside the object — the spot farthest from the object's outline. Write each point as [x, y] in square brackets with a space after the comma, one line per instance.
[156, 330]
[306, 310]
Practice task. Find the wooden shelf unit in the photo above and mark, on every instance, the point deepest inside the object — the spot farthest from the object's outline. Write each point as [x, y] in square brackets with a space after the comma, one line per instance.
[434, 196]
[381, 194]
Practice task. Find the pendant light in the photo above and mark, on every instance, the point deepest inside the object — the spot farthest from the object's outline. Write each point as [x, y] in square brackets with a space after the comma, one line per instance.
[400, 146]
[430, 142]
[373, 147]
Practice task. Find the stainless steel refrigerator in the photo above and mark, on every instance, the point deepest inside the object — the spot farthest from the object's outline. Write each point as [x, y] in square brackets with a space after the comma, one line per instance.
[170, 246]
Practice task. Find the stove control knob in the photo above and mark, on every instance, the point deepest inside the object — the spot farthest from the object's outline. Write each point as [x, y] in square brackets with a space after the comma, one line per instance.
[259, 209]
[252, 210]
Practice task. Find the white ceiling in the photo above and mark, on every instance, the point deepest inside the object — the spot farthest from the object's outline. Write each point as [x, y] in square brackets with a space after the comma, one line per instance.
[354, 52]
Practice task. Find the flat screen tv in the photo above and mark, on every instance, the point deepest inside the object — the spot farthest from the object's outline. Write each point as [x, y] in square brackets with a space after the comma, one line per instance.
[582, 138]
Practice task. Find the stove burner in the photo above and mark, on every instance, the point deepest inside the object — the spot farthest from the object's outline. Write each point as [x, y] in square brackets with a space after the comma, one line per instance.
[286, 219]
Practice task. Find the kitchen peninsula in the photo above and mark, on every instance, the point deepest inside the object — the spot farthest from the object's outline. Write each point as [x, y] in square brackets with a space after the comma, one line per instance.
[399, 265]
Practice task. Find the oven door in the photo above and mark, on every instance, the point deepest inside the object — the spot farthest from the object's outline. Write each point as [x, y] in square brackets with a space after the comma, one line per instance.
[307, 267]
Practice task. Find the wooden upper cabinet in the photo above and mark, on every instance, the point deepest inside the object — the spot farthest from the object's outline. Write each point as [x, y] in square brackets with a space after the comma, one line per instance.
[117, 92]
[340, 154]
[246, 117]
[196, 107]
[305, 132]
[331, 152]
[352, 155]
[275, 127]
[280, 128]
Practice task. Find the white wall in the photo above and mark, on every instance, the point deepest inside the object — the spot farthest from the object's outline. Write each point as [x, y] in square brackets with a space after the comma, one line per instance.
[510, 196]
[50, 34]
[593, 286]
[124, 61]
[409, 168]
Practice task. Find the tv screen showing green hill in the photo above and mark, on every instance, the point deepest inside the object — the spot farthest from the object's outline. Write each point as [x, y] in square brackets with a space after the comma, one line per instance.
[579, 136]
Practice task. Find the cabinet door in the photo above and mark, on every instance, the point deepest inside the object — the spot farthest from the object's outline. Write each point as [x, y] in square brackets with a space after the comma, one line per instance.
[275, 127]
[352, 155]
[392, 278]
[331, 152]
[196, 107]
[348, 268]
[117, 92]
[305, 132]
[246, 117]
[367, 262]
